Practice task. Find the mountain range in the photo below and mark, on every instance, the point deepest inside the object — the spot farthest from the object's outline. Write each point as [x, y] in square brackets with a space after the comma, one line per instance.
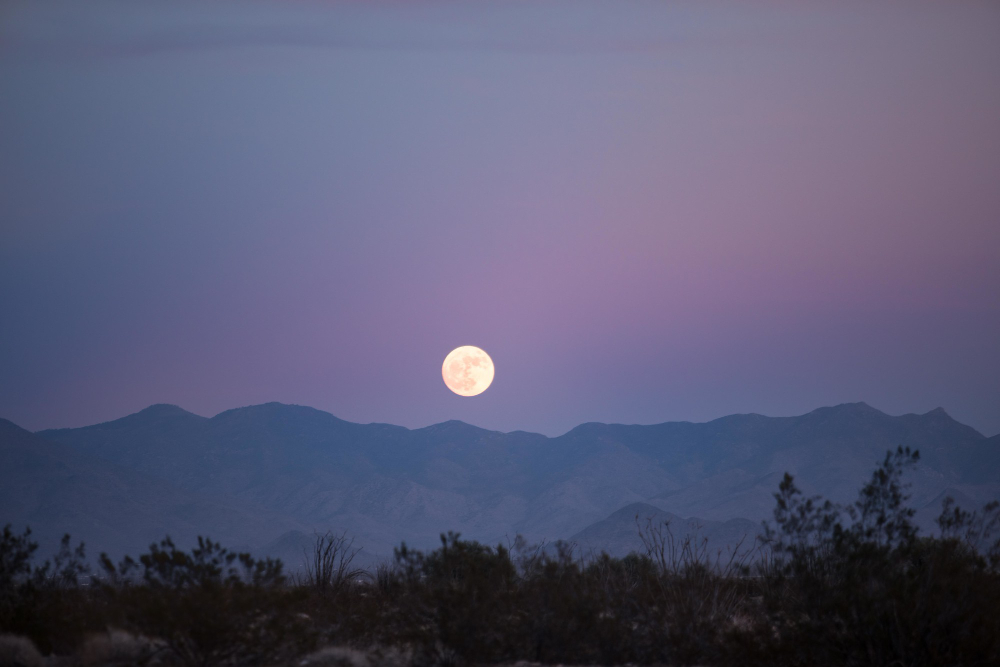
[266, 477]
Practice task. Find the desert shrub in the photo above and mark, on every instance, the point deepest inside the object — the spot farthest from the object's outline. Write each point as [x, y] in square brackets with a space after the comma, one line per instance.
[337, 656]
[328, 566]
[18, 651]
[43, 602]
[558, 604]
[385, 580]
[856, 585]
[210, 606]
[16, 552]
[466, 603]
[698, 593]
[454, 603]
[978, 531]
[340, 656]
[117, 648]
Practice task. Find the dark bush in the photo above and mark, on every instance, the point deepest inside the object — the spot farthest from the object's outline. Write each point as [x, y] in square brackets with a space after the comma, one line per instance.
[43, 602]
[210, 606]
[856, 585]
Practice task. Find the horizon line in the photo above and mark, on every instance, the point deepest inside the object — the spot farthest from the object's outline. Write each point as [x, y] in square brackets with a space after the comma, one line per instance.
[448, 421]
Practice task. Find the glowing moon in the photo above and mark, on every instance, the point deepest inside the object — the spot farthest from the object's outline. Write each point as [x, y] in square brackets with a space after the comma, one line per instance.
[467, 370]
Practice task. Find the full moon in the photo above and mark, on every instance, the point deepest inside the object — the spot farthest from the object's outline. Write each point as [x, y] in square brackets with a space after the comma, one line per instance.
[467, 370]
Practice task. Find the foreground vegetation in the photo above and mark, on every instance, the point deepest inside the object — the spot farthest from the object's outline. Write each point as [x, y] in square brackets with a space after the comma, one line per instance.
[829, 585]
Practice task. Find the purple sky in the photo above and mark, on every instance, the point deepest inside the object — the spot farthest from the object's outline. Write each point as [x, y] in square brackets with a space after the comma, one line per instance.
[643, 211]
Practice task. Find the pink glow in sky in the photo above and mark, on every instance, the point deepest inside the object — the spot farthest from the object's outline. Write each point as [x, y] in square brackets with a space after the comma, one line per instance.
[642, 211]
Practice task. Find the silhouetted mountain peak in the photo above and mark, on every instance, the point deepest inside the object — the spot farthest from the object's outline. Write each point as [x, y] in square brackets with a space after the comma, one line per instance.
[642, 510]
[531, 434]
[158, 414]
[275, 411]
[588, 428]
[269, 408]
[860, 408]
[453, 427]
[165, 410]
[939, 421]
[8, 427]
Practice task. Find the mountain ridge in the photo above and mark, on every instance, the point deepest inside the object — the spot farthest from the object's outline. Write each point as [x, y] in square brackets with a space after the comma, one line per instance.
[386, 483]
[170, 409]
[55, 490]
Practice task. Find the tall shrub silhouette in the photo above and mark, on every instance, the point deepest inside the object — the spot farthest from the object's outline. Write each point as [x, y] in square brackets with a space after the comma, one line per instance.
[43, 602]
[455, 602]
[328, 565]
[210, 606]
[855, 585]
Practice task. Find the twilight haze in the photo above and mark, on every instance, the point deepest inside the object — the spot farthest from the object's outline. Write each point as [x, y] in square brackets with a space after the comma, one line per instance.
[643, 211]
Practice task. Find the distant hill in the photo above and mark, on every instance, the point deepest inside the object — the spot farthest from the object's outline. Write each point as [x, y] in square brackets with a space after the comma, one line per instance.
[57, 489]
[308, 470]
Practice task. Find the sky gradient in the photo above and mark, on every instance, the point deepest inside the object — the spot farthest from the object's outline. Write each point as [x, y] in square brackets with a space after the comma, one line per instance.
[643, 211]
